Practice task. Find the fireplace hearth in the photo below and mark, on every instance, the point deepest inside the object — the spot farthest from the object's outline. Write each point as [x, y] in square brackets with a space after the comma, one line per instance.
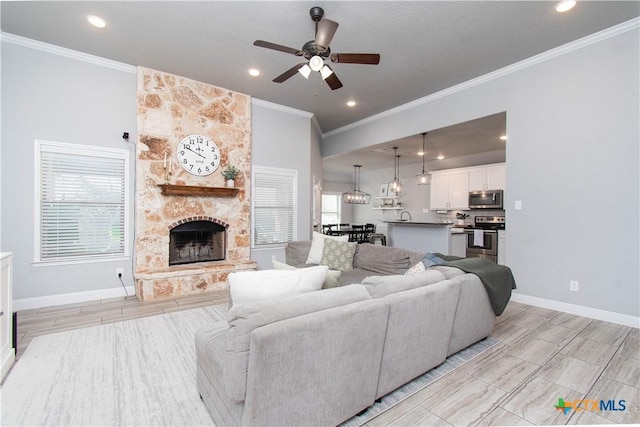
[197, 241]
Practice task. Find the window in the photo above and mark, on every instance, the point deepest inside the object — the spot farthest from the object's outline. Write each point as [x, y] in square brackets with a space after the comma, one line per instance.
[274, 206]
[331, 203]
[82, 206]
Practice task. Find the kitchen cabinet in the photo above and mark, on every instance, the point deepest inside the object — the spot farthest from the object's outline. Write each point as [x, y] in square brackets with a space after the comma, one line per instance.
[491, 177]
[449, 190]
[7, 355]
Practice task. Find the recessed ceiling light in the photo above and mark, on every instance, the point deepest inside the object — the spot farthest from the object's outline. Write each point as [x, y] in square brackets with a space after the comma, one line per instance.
[96, 21]
[565, 5]
[420, 153]
[440, 157]
[503, 138]
[254, 72]
[351, 103]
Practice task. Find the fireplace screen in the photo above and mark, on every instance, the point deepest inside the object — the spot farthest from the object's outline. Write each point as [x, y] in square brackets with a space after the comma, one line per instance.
[197, 241]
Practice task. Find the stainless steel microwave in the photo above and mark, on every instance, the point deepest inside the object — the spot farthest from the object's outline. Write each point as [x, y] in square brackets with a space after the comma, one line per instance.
[486, 199]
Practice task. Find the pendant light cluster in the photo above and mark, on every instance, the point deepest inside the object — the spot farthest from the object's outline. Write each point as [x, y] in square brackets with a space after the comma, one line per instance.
[424, 177]
[395, 186]
[356, 196]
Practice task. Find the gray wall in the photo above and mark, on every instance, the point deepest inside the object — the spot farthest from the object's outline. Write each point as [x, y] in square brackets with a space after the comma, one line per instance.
[55, 98]
[572, 159]
[282, 138]
[59, 98]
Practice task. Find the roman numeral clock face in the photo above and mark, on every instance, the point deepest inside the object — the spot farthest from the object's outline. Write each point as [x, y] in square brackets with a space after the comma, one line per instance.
[198, 155]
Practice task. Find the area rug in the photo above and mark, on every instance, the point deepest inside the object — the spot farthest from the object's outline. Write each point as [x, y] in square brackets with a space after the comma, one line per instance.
[137, 372]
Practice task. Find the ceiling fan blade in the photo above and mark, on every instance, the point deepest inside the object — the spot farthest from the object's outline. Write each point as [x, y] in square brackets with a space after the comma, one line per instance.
[356, 58]
[288, 74]
[333, 81]
[325, 31]
[285, 49]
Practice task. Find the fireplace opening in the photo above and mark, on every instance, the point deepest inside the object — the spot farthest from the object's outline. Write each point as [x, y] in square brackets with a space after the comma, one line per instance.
[197, 241]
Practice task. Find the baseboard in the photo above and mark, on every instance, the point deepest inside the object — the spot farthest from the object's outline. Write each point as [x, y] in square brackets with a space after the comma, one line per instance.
[578, 310]
[71, 298]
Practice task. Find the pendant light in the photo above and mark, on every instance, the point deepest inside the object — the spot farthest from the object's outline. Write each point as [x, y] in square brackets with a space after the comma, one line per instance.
[355, 196]
[423, 178]
[395, 186]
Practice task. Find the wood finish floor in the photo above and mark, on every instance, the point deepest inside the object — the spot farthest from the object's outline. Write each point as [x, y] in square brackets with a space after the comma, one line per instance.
[543, 355]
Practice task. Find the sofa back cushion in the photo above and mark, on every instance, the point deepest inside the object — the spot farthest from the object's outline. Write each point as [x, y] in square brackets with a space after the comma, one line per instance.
[384, 259]
[243, 319]
[380, 286]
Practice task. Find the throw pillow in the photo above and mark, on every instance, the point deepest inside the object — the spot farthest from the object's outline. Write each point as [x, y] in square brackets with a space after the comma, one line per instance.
[247, 287]
[338, 255]
[317, 246]
[333, 276]
[431, 260]
[418, 268]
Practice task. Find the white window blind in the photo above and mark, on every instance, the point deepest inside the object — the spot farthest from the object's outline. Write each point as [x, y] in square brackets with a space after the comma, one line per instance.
[83, 202]
[274, 205]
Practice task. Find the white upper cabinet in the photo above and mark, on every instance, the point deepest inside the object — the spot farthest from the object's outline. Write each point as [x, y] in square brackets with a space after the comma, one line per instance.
[491, 177]
[450, 190]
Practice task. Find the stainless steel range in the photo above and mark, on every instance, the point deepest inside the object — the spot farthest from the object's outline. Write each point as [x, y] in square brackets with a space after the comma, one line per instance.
[482, 239]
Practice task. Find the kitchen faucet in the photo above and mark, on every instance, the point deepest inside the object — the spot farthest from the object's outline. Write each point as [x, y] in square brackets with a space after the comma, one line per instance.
[405, 212]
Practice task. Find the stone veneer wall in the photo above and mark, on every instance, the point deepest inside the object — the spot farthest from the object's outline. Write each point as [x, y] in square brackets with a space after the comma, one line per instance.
[170, 108]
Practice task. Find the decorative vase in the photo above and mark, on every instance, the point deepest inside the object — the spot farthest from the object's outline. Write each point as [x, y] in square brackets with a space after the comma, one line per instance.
[230, 183]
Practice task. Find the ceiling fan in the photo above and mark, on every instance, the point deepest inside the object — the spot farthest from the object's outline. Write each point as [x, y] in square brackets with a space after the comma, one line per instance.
[315, 52]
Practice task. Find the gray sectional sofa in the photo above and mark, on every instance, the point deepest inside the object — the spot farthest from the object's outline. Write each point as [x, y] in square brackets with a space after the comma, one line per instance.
[321, 357]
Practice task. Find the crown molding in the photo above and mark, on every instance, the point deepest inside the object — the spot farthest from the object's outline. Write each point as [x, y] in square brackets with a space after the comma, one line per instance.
[283, 108]
[68, 53]
[529, 62]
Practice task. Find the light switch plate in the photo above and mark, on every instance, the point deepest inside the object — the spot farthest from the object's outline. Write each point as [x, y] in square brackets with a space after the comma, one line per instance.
[518, 205]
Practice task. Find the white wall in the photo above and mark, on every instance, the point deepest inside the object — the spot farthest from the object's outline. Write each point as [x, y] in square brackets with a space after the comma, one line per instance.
[57, 98]
[572, 159]
[282, 138]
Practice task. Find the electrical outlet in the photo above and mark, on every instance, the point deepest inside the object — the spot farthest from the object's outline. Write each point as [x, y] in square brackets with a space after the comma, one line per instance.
[119, 272]
[425, 210]
[273, 258]
[574, 286]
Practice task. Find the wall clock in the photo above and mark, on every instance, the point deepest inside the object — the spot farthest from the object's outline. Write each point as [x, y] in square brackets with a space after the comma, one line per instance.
[198, 155]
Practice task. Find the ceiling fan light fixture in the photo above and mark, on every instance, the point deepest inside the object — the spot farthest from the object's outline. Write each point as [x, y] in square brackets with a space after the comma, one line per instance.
[305, 70]
[424, 177]
[325, 72]
[316, 63]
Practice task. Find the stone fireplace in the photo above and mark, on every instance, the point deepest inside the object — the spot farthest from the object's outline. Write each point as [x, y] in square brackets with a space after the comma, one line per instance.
[191, 231]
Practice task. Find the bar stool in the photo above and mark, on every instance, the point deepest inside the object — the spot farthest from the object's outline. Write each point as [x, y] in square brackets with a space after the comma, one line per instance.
[378, 238]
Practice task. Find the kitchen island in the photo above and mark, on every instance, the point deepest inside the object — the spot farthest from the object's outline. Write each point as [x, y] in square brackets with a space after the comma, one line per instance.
[420, 236]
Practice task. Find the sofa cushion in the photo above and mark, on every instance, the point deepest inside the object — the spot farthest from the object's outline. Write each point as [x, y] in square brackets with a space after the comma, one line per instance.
[317, 246]
[384, 259]
[331, 281]
[243, 319]
[338, 255]
[380, 286]
[247, 287]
